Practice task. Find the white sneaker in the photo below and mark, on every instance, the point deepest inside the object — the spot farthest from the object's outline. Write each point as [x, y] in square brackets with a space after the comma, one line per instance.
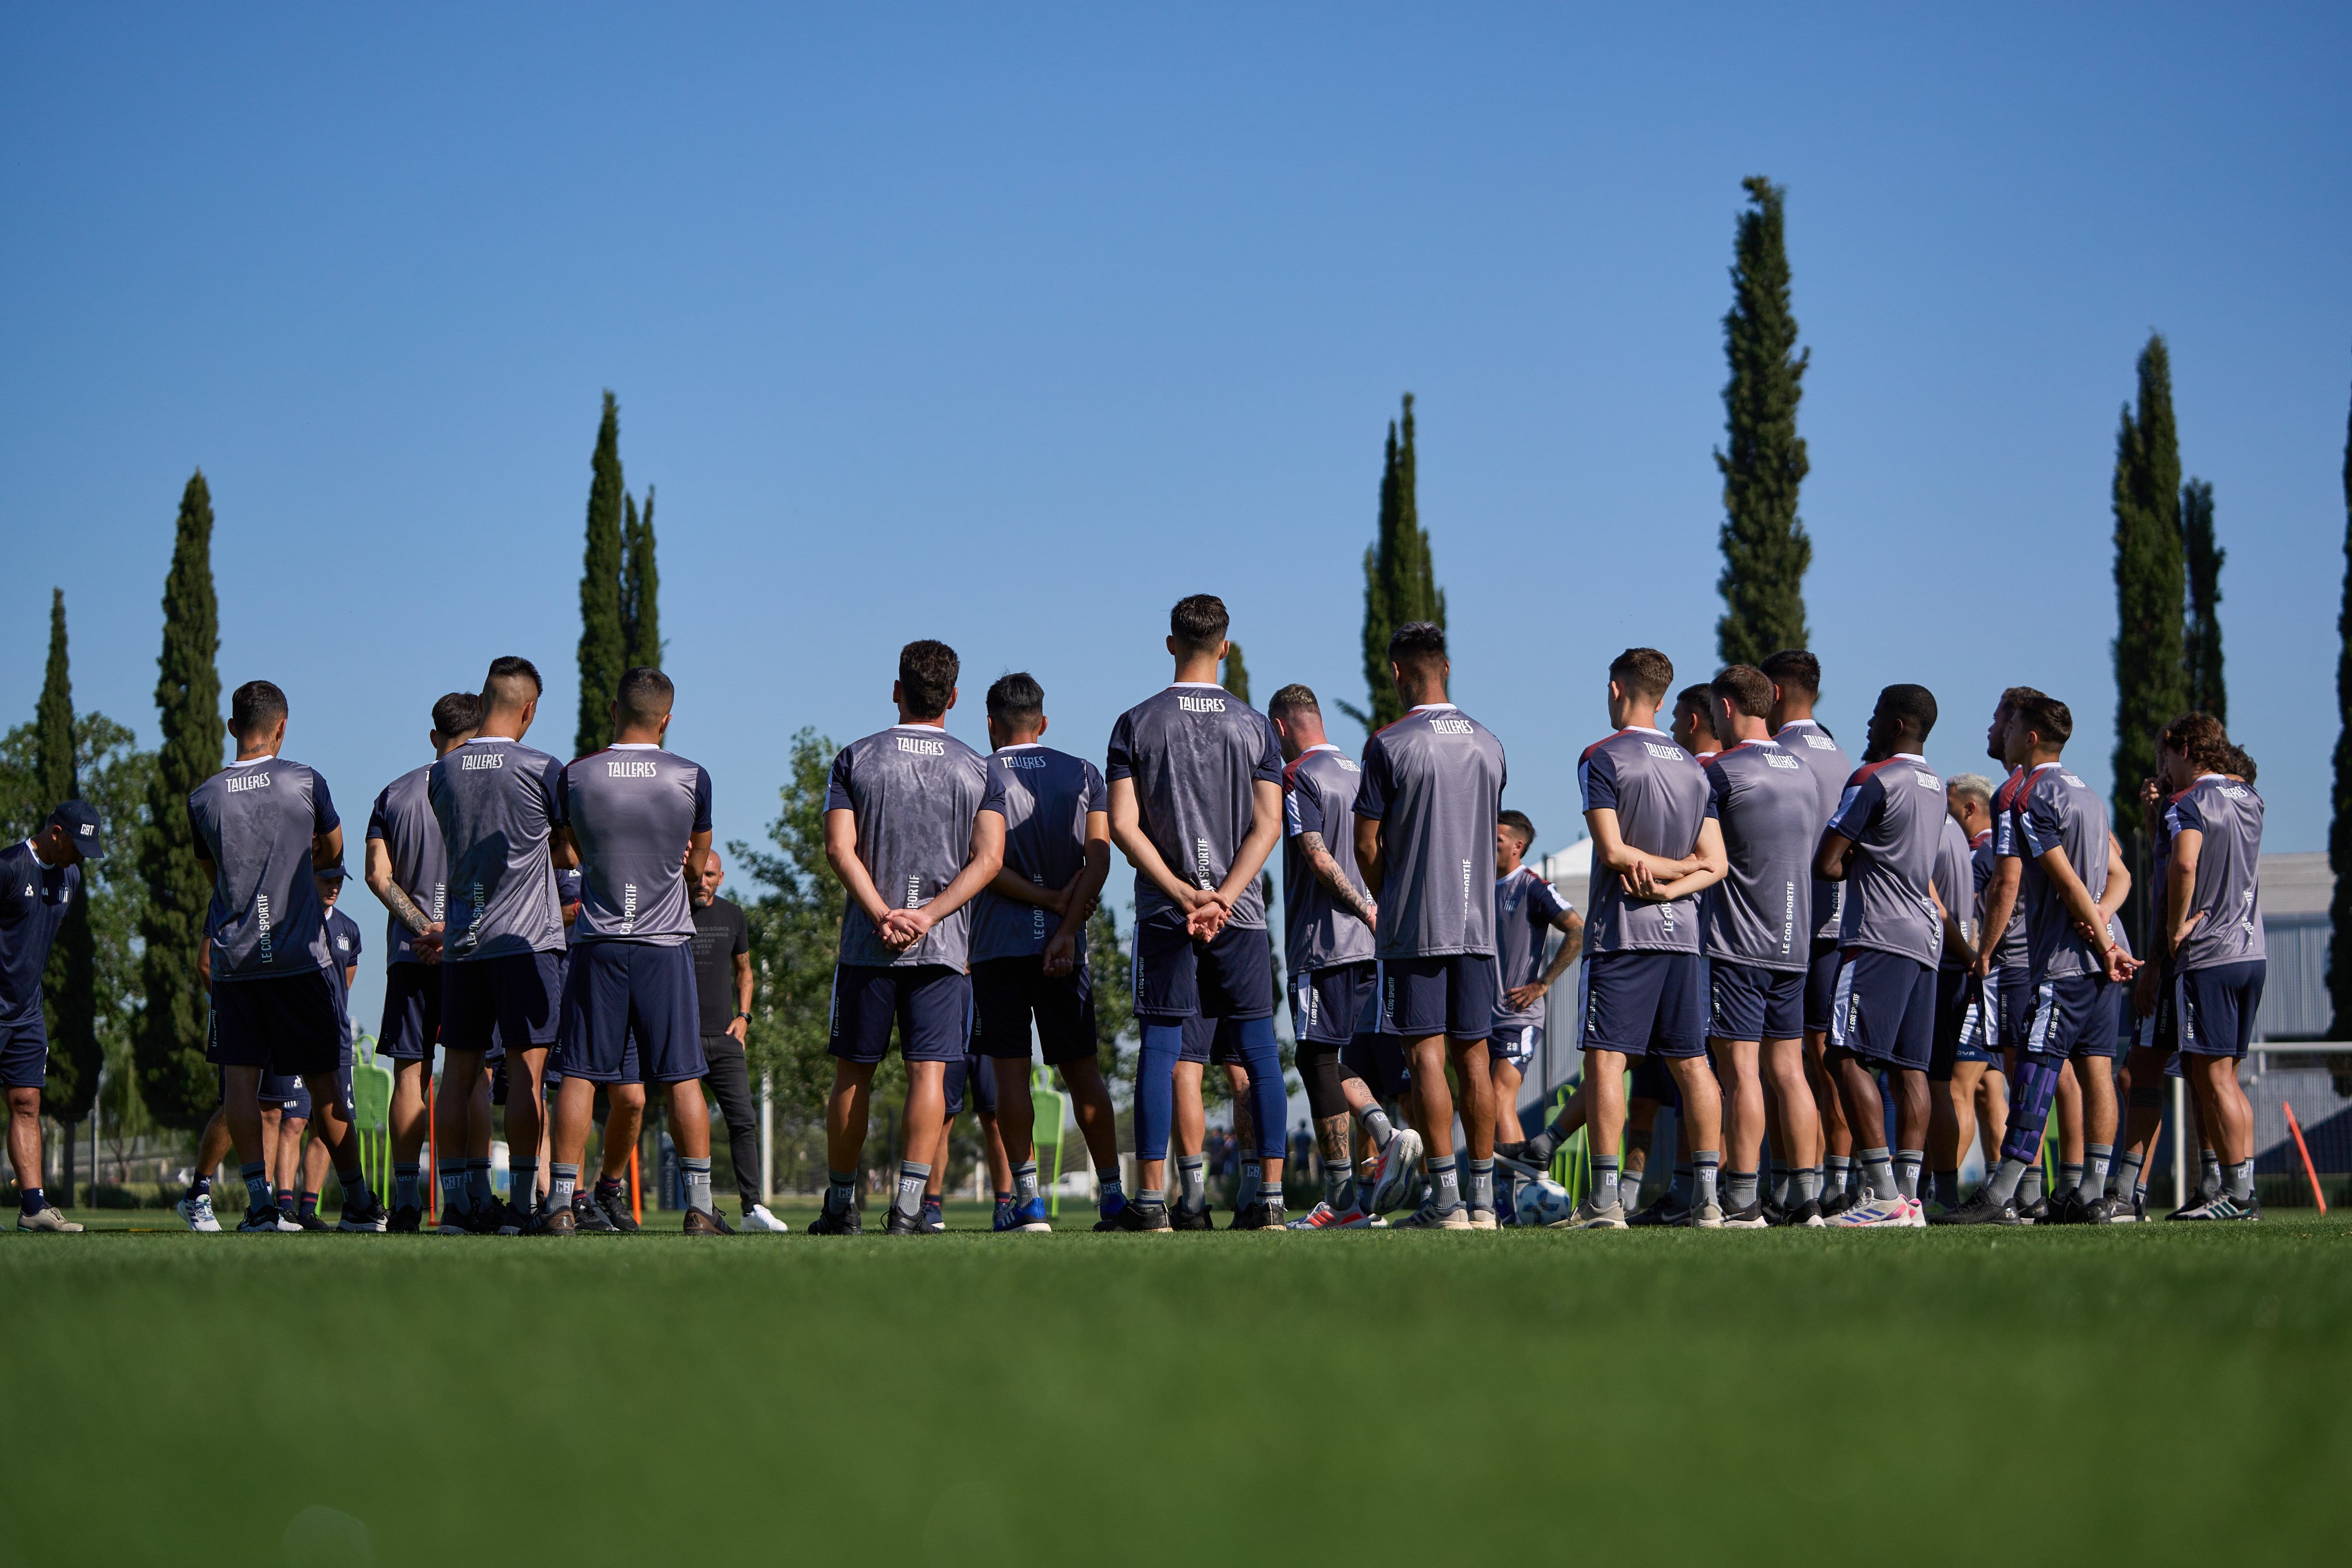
[272, 1219]
[1590, 1216]
[198, 1213]
[757, 1217]
[1704, 1216]
[1876, 1212]
[1429, 1216]
[1392, 1175]
[1481, 1219]
[48, 1219]
[1916, 1218]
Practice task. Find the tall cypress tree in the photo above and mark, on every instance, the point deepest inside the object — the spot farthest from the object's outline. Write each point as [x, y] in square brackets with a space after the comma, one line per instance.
[2151, 679]
[640, 586]
[604, 639]
[1235, 679]
[1400, 581]
[2201, 638]
[1765, 547]
[174, 1078]
[2339, 826]
[68, 988]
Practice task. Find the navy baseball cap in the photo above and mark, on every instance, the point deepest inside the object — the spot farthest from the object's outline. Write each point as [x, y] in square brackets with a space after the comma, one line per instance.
[330, 872]
[80, 819]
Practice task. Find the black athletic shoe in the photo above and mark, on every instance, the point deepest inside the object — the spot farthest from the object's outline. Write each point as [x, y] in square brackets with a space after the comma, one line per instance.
[406, 1219]
[1805, 1216]
[2197, 1199]
[309, 1220]
[2035, 1213]
[703, 1222]
[849, 1222]
[556, 1222]
[1144, 1217]
[1752, 1218]
[511, 1222]
[2221, 1206]
[904, 1224]
[1259, 1216]
[366, 1215]
[1182, 1218]
[2098, 1211]
[2065, 1206]
[615, 1206]
[718, 1219]
[1980, 1209]
[587, 1218]
[1664, 1211]
[1837, 1204]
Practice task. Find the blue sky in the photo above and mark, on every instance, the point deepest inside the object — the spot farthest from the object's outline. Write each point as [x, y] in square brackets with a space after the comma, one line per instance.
[1012, 325]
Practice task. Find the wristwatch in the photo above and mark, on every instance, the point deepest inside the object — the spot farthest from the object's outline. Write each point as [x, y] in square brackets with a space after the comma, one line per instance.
[745, 1016]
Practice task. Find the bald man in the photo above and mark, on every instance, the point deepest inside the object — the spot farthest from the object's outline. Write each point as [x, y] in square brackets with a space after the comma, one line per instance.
[722, 982]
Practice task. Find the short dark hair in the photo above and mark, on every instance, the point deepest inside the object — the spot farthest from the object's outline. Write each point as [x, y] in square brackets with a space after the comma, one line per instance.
[1016, 701]
[2012, 696]
[644, 695]
[1643, 672]
[1793, 667]
[2199, 738]
[253, 707]
[1747, 688]
[1198, 623]
[1696, 700]
[1517, 823]
[2045, 716]
[1914, 705]
[1293, 698]
[926, 677]
[1417, 645]
[458, 713]
[506, 674]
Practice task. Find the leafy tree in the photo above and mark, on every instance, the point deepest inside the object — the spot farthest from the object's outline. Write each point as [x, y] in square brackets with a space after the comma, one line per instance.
[174, 1078]
[640, 586]
[1400, 582]
[2203, 637]
[1234, 678]
[604, 637]
[795, 926]
[1765, 547]
[66, 986]
[1108, 966]
[2151, 679]
[2339, 826]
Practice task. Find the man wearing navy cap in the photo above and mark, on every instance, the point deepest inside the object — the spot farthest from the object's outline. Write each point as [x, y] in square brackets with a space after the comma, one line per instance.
[39, 881]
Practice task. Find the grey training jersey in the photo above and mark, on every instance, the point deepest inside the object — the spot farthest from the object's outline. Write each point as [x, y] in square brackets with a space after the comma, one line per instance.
[1319, 796]
[1525, 906]
[1048, 795]
[2229, 871]
[915, 790]
[2056, 809]
[1195, 751]
[632, 809]
[1894, 811]
[1761, 913]
[496, 802]
[1433, 780]
[1659, 796]
[1826, 760]
[1956, 884]
[403, 819]
[255, 820]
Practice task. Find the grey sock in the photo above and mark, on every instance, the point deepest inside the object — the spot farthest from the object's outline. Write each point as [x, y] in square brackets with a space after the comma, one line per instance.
[2007, 1177]
[1482, 1184]
[563, 1183]
[1878, 1172]
[1445, 1183]
[1376, 1123]
[1253, 1178]
[698, 1181]
[1604, 1181]
[1906, 1171]
[2028, 1188]
[1780, 1184]
[2069, 1177]
[2095, 1169]
[2127, 1175]
[1193, 1182]
[1741, 1188]
[1838, 1168]
[1629, 1185]
[1804, 1186]
[914, 1178]
[1147, 1196]
[2208, 1184]
[1707, 1173]
[1678, 1191]
[1025, 1181]
[2242, 1182]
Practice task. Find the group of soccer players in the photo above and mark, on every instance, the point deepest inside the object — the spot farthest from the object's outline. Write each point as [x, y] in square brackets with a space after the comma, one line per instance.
[1852, 969]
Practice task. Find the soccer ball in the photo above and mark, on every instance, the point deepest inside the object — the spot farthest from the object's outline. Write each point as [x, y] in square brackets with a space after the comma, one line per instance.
[1542, 1203]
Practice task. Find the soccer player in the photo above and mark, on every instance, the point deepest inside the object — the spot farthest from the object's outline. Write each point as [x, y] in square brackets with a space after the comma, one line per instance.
[39, 880]
[1759, 942]
[1965, 1069]
[1426, 815]
[2213, 930]
[295, 1156]
[2004, 964]
[262, 825]
[1654, 849]
[913, 809]
[1953, 876]
[722, 989]
[1796, 677]
[1882, 844]
[1694, 727]
[1195, 778]
[1029, 943]
[2058, 828]
[1527, 910]
[496, 801]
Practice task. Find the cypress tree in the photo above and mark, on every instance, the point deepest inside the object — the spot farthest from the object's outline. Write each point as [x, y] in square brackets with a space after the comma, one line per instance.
[2151, 679]
[2201, 638]
[67, 986]
[1236, 671]
[640, 587]
[1765, 547]
[604, 639]
[2339, 826]
[174, 1078]
[1399, 580]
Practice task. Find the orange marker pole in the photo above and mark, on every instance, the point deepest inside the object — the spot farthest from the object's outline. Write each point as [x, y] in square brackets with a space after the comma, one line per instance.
[636, 1204]
[2309, 1170]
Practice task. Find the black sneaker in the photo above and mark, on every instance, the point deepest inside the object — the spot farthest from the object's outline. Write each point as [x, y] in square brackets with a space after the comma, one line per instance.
[1752, 1218]
[1805, 1216]
[2097, 1211]
[2197, 1200]
[365, 1215]
[1182, 1218]
[557, 1222]
[1837, 1204]
[405, 1221]
[1260, 1216]
[934, 1217]
[1662, 1212]
[511, 1222]
[1141, 1217]
[2035, 1213]
[614, 1206]
[903, 1224]
[704, 1222]
[587, 1218]
[2065, 1206]
[2221, 1206]
[1980, 1209]
[849, 1222]
[718, 1219]
[309, 1220]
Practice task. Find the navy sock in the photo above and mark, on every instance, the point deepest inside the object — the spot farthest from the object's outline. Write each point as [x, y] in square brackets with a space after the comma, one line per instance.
[257, 1186]
[1155, 1089]
[404, 1185]
[31, 1202]
[308, 1205]
[840, 1192]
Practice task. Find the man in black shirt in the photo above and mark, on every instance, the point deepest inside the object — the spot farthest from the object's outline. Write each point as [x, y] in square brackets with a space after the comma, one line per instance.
[722, 980]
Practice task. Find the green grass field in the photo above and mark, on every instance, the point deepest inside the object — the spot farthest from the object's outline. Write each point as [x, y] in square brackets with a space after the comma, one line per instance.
[2155, 1393]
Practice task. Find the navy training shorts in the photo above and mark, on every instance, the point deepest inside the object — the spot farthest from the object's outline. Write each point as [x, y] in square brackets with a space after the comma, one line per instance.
[1175, 977]
[631, 1014]
[930, 1004]
[1961, 1035]
[2215, 1007]
[2072, 1016]
[1640, 1003]
[286, 1024]
[1747, 1001]
[1885, 1011]
[979, 1073]
[25, 1053]
[1326, 1004]
[515, 999]
[1007, 993]
[411, 1011]
[1821, 984]
[1454, 995]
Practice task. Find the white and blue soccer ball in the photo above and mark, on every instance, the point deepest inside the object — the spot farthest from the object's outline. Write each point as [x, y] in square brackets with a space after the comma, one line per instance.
[1543, 1202]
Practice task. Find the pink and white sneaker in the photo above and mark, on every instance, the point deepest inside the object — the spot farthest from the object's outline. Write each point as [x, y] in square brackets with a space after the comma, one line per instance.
[1875, 1211]
[1323, 1216]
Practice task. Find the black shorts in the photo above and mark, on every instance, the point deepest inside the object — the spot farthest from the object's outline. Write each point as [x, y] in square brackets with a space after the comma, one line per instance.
[1747, 1001]
[1379, 1061]
[977, 1074]
[1210, 1041]
[1641, 1002]
[1175, 977]
[25, 1053]
[1454, 995]
[1821, 984]
[1007, 993]
[285, 1024]
[929, 1003]
[1326, 1003]
[631, 1014]
[514, 1000]
[1885, 1011]
[411, 1011]
[2214, 1008]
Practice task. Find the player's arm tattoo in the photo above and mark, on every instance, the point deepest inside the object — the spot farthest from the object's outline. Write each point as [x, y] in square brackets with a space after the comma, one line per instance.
[1327, 872]
[404, 909]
